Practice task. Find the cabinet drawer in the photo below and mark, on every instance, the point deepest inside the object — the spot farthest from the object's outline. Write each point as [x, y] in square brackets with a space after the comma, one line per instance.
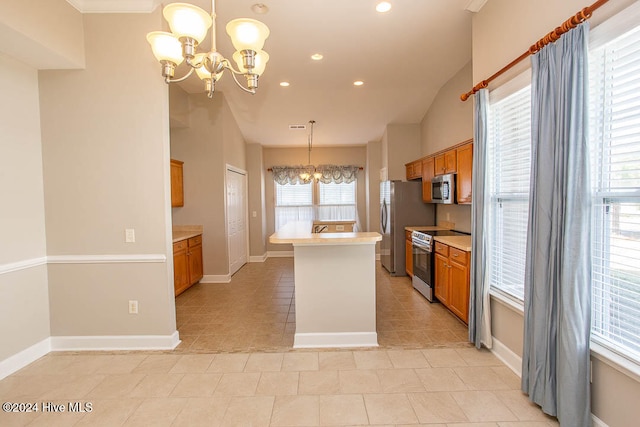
[195, 241]
[442, 249]
[180, 246]
[458, 256]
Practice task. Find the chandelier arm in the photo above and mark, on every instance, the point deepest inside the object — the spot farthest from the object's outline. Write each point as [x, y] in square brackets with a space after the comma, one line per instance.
[241, 86]
[227, 64]
[170, 80]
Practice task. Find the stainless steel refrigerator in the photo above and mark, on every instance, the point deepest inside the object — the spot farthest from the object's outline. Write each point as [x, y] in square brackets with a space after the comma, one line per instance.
[401, 205]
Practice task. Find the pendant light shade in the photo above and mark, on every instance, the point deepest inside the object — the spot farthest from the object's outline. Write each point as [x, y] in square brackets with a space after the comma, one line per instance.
[165, 47]
[187, 20]
[247, 34]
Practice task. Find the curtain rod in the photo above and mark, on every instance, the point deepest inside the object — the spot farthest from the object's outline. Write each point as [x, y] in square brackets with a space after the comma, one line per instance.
[554, 35]
[359, 168]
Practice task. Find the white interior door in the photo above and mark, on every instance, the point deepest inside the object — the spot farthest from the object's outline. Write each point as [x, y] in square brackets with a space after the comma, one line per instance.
[236, 218]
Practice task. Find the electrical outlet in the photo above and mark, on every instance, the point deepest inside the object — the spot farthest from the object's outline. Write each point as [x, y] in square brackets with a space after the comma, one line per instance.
[254, 214]
[339, 227]
[133, 307]
[129, 235]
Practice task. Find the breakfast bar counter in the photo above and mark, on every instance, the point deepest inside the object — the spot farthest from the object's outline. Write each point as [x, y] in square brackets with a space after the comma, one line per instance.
[335, 286]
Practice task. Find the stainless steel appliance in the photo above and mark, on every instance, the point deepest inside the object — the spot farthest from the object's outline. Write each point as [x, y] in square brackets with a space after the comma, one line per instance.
[443, 189]
[423, 260]
[401, 205]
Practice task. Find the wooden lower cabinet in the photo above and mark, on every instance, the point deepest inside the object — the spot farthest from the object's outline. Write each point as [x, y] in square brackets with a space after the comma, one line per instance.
[408, 255]
[452, 279]
[187, 263]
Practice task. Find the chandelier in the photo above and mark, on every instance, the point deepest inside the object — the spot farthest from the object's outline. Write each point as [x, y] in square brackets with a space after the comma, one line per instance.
[309, 171]
[189, 26]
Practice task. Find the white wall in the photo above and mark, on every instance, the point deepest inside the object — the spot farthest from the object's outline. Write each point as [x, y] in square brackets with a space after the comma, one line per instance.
[500, 34]
[257, 203]
[24, 295]
[105, 136]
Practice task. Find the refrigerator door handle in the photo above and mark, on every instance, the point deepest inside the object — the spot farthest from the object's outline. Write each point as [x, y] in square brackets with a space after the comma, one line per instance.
[383, 217]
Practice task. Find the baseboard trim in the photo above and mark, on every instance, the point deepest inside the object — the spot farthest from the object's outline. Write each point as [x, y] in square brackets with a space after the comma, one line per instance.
[213, 278]
[115, 342]
[280, 254]
[25, 357]
[597, 422]
[259, 258]
[22, 265]
[507, 356]
[106, 259]
[335, 340]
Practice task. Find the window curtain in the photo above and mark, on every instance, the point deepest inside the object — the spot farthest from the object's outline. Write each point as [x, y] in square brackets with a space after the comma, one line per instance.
[479, 310]
[324, 173]
[555, 362]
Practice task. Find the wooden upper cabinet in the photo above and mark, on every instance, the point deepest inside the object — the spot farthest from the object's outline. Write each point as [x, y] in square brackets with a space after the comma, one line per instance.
[414, 170]
[465, 167]
[177, 188]
[445, 163]
[427, 175]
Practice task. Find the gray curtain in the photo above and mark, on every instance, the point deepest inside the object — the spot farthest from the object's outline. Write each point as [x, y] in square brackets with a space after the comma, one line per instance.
[557, 302]
[479, 312]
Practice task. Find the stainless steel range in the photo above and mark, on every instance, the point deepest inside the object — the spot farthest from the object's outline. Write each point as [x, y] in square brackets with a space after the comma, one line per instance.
[423, 260]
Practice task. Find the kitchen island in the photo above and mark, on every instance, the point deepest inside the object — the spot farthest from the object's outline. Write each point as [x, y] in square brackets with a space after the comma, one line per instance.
[335, 286]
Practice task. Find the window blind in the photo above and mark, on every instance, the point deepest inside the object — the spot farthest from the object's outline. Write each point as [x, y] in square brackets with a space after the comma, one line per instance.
[614, 130]
[508, 168]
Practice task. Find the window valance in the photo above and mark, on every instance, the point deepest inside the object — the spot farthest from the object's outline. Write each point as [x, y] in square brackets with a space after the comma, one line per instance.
[323, 173]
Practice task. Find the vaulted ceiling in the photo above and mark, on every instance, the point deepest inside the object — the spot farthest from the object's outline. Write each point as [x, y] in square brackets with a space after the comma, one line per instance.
[403, 57]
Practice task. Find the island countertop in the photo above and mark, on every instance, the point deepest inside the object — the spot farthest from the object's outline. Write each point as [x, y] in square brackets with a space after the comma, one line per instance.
[299, 233]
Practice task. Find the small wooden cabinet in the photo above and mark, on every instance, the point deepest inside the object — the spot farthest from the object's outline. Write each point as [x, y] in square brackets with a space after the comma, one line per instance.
[427, 175]
[408, 255]
[177, 187]
[464, 167]
[445, 163]
[187, 263]
[414, 170]
[452, 279]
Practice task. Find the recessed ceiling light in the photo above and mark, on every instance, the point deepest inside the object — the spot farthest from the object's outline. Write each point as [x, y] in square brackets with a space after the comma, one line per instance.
[383, 6]
[260, 8]
[317, 56]
[284, 84]
[358, 83]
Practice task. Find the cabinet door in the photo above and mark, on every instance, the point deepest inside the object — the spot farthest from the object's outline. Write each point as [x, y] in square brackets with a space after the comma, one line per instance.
[440, 165]
[465, 166]
[180, 267]
[427, 174]
[441, 282]
[450, 165]
[177, 188]
[195, 264]
[409, 257]
[409, 171]
[459, 296]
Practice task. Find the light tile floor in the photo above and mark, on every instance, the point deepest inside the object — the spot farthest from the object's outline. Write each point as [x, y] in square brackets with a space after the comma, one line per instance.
[424, 373]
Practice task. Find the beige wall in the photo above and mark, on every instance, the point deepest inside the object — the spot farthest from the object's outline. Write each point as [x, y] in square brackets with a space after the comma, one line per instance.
[374, 163]
[256, 184]
[46, 34]
[448, 122]
[400, 145]
[500, 35]
[274, 156]
[211, 141]
[106, 153]
[24, 295]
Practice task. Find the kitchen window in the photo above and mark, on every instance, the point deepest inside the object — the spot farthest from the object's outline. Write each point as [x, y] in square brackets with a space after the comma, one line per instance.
[508, 166]
[315, 201]
[614, 131]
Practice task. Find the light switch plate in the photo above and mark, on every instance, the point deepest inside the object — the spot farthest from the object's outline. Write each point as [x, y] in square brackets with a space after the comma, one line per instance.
[129, 235]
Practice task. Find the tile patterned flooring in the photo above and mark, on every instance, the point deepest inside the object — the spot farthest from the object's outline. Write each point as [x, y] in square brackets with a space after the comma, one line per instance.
[236, 367]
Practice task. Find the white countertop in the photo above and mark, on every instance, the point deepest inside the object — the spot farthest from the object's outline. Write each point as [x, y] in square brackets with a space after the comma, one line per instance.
[299, 233]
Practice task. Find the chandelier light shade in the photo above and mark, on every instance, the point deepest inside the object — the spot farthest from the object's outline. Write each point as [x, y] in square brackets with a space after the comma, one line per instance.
[189, 26]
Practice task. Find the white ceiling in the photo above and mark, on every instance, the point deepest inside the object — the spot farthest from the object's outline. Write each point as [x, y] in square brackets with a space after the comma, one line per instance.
[403, 56]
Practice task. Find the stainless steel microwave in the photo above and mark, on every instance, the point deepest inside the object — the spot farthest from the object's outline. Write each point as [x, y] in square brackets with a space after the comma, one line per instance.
[443, 189]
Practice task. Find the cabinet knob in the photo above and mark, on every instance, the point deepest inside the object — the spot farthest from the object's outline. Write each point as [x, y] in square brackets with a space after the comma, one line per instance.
[455, 254]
